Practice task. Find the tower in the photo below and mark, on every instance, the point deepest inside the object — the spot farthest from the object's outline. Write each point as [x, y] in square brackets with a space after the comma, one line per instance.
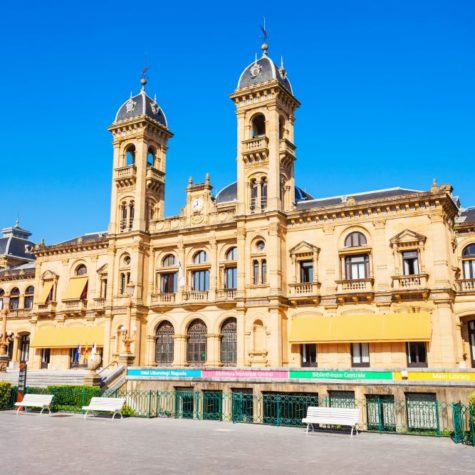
[265, 107]
[140, 136]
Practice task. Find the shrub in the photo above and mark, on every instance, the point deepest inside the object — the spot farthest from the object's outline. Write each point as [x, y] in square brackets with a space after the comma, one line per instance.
[6, 394]
[68, 398]
[471, 399]
[128, 411]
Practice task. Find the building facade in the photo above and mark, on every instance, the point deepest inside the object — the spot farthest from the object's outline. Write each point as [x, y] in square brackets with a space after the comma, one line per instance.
[260, 275]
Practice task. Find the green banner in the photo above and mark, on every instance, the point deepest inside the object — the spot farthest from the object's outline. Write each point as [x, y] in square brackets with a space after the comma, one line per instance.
[350, 375]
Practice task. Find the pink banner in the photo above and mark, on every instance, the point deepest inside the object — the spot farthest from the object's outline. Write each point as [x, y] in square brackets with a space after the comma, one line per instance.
[244, 373]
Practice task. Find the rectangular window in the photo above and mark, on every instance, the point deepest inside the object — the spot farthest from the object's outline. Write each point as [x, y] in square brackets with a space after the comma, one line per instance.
[308, 355]
[29, 301]
[306, 271]
[103, 288]
[357, 267]
[230, 278]
[469, 269]
[410, 262]
[264, 272]
[200, 279]
[360, 354]
[417, 354]
[471, 340]
[168, 282]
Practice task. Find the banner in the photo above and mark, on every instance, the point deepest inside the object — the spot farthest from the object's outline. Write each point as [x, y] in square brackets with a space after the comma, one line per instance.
[436, 376]
[347, 375]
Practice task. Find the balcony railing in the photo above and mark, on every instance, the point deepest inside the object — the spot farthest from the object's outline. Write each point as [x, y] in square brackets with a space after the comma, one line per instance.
[47, 307]
[355, 285]
[255, 144]
[409, 282]
[303, 289]
[125, 172]
[164, 298]
[466, 285]
[195, 296]
[74, 305]
[287, 147]
[226, 294]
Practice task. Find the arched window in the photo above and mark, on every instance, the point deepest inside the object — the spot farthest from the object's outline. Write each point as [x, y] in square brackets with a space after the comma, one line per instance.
[29, 293]
[14, 298]
[196, 343]
[169, 260]
[124, 280]
[231, 254]
[165, 344]
[258, 126]
[263, 193]
[130, 155]
[355, 239]
[150, 157]
[2, 293]
[229, 342]
[263, 271]
[200, 257]
[254, 192]
[81, 269]
[468, 258]
[255, 272]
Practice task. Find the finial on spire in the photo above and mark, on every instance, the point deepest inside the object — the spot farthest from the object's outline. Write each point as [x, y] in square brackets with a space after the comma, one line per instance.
[17, 222]
[190, 180]
[143, 79]
[265, 37]
[207, 179]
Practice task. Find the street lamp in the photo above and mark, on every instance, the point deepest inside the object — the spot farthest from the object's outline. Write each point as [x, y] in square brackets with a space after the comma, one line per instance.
[127, 336]
[6, 337]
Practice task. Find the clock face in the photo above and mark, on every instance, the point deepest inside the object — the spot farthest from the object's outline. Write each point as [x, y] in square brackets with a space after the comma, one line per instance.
[196, 204]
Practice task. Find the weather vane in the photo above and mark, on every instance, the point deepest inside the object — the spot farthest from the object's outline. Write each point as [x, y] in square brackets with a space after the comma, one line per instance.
[265, 36]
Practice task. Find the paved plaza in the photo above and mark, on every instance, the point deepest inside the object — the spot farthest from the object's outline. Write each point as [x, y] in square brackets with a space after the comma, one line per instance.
[67, 444]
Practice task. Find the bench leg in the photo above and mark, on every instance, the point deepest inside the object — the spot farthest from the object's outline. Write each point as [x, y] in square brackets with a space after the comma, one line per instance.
[18, 410]
[352, 428]
[117, 413]
[85, 414]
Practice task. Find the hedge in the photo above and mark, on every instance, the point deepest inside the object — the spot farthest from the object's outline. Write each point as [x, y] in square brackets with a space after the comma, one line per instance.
[6, 395]
[68, 398]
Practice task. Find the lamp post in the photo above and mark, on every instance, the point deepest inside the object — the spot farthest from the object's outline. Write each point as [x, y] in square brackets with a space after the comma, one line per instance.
[6, 337]
[128, 336]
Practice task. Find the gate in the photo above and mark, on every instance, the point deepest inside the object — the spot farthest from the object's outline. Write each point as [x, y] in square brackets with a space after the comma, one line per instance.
[213, 405]
[380, 413]
[184, 404]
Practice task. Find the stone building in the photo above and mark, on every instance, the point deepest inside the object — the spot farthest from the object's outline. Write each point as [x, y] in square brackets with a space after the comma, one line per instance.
[259, 275]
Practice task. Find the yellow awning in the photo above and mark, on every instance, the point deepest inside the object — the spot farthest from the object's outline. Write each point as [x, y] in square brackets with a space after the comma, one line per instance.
[361, 328]
[47, 286]
[68, 337]
[75, 288]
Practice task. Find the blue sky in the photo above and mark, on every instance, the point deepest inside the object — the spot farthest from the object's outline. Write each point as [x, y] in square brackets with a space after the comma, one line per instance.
[387, 92]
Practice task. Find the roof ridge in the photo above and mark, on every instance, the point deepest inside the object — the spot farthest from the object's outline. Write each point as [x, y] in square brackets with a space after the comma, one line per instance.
[364, 193]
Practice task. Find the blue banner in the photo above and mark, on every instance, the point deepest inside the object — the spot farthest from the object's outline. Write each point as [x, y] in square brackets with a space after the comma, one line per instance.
[163, 373]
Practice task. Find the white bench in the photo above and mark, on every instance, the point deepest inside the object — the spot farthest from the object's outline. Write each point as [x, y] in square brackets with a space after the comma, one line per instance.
[105, 404]
[35, 400]
[335, 416]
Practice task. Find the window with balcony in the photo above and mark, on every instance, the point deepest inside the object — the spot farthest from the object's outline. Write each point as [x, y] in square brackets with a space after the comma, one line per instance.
[200, 280]
[357, 267]
[416, 354]
[150, 157]
[410, 262]
[360, 354]
[263, 193]
[168, 282]
[15, 298]
[196, 345]
[130, 155]
[29, 293]
[165, 344]
[258, 126]
[127, 214]
[230, 278]
[103, 288]
[468, 262]
[306, 271]
[308, 355]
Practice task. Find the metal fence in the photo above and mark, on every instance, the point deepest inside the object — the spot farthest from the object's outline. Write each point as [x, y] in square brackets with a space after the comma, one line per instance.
[417, 414]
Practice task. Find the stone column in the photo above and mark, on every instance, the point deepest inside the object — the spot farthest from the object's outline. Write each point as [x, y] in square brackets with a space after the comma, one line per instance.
[213, 347]
[179, 357]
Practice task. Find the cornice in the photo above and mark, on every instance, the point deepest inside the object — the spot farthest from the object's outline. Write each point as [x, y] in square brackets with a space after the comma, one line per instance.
[76, 246]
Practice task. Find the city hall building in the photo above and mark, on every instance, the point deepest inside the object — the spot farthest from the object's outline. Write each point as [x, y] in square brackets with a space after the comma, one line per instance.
[260, 286]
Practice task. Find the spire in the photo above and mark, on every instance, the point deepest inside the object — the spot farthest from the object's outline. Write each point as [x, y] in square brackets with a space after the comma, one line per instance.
[265, 37]
[143, 79]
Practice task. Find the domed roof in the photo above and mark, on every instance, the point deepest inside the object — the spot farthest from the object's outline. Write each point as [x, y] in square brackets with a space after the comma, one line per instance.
[139, 105]
[263, 70]
[229, 193]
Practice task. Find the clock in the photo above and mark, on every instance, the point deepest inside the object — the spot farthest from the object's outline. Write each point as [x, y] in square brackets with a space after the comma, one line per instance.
[196, 204]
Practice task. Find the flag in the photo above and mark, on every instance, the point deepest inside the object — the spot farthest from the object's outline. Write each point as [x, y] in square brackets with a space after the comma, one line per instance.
[181, 276]
[93, 352]
[78, 353]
